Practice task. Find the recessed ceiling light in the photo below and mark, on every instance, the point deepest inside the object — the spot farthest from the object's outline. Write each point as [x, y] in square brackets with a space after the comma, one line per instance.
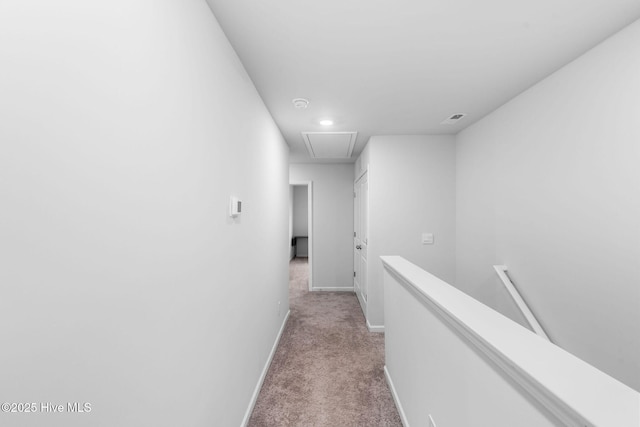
[326, 122]
[300, 103]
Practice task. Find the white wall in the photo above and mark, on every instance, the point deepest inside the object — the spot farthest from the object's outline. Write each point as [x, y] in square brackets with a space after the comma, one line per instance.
[300, 211]
[332, 221]
[549, 185]
[126, 125]
[411, 191]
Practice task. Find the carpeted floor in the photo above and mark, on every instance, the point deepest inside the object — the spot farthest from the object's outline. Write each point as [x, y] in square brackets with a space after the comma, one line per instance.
[328, 368]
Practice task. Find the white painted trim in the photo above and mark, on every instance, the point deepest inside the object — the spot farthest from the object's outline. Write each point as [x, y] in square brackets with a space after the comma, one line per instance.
[396, 399]
[577, 393]
[311, 230]
[309, 144]
[256, 391]
[332, 289]
[375, 328]
[501, 270]
[365, 170]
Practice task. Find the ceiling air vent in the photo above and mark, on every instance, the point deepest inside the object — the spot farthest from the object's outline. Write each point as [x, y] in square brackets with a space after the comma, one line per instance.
[330, 145]
[454, 118]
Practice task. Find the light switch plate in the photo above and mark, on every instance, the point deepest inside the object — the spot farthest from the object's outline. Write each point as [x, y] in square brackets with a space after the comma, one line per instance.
[235, 207]
[427, 238]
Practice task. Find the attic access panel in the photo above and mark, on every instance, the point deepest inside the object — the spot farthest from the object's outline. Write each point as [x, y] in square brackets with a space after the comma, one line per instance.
[330, 145]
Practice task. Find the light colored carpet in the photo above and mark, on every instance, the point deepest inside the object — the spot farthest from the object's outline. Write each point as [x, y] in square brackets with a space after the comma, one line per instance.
[328, 368]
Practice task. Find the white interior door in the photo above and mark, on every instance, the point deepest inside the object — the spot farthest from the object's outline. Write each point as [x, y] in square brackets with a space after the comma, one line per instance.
[360, 238]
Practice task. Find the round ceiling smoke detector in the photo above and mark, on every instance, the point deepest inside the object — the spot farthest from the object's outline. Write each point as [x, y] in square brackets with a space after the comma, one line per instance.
[300, 103]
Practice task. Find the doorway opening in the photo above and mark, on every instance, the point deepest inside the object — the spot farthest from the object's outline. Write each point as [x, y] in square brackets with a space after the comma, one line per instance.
[301, 223]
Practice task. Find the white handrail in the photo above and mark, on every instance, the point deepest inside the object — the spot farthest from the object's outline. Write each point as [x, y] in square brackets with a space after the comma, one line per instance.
[427, 320]
[522, 305]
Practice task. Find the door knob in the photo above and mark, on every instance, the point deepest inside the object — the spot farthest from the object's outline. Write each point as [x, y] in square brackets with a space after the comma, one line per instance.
[358, 247]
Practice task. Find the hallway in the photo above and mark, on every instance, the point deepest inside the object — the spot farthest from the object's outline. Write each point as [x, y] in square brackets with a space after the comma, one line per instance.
[328, 368]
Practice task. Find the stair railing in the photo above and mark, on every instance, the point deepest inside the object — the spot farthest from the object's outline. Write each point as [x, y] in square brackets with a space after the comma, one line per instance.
[517, 298]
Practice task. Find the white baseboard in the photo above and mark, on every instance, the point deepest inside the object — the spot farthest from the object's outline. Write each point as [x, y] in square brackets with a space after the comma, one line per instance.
[256, 391]
[375, 328]
[396, 399]
[331, 289]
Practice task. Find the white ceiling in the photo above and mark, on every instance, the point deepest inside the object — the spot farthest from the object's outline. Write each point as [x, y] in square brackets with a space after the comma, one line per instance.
[382, 67]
